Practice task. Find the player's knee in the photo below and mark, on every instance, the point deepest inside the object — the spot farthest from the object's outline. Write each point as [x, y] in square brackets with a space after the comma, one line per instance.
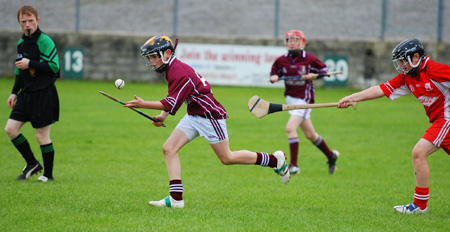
[291, 130]
[418, 155]
[42, 138]
[11, 132]
[7, 130]
[226, 160]
[415, 154]
[311, 136]
[168, 150]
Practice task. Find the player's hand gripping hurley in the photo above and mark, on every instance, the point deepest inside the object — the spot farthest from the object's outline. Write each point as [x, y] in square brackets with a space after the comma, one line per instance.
[138, 111]
[261, 108]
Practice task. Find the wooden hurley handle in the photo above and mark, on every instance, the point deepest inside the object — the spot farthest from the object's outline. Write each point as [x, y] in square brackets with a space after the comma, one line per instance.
[318, 105]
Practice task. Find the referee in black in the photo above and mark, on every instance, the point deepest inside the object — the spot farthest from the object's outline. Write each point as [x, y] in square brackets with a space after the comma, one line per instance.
[34, 97]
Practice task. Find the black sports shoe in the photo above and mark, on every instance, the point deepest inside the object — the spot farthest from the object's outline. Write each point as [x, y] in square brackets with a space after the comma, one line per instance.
[332, 162]
[30, 170]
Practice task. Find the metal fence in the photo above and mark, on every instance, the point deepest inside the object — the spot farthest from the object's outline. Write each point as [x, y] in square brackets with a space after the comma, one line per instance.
[430, 18]
[329, 19]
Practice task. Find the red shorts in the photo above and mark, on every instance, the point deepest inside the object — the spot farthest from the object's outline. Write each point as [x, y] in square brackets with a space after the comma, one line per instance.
[438, 134]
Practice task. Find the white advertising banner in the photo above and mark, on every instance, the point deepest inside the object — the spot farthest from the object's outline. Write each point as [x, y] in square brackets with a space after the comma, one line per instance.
[234, 65]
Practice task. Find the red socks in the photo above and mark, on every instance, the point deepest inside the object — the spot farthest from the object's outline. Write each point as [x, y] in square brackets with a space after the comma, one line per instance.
[421, 196]
[320, 143]
[265, 159]
[176, 190]
[293, 148]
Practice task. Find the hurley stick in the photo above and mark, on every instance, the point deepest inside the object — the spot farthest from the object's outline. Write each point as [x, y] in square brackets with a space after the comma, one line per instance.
[260, 107]
[123, 103]
[319, 75]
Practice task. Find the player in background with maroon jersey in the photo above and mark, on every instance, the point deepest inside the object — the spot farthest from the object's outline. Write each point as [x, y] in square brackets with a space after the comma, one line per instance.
[297, 62]
[205, 117]
[429, 81]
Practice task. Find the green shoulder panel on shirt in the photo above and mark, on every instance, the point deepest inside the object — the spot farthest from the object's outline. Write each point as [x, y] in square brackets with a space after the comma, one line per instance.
[48, 52]
[20, 41]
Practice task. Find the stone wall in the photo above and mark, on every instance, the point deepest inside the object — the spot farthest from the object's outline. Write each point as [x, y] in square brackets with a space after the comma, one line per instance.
[110, 56]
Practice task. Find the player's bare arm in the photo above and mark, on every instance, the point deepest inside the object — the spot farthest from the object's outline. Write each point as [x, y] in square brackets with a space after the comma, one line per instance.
[161, 117]
[140, 103]
[367, 94]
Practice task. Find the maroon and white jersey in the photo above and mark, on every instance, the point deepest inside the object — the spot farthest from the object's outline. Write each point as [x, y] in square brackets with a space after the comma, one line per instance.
[186, 85]
[431, 88]
[305, 63]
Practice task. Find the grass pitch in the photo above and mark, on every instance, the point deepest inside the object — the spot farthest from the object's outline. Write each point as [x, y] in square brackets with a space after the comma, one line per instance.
[109, 164]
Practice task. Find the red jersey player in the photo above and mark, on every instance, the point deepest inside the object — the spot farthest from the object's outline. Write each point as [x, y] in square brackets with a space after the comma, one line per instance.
[429, 81]
[205, 117]
[297, 62]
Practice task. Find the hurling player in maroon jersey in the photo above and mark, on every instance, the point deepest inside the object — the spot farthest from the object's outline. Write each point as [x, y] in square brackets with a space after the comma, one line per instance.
[429, 82]
[205, 117]
[297, 62]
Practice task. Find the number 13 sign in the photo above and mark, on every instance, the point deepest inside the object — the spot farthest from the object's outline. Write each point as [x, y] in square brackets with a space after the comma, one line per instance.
[73, 62]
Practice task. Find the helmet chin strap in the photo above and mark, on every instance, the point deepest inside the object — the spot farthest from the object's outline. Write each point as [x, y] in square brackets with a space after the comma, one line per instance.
[171, 54]
[414, 71]
[414, 68]
[162, 58]
[410, 62]
[162, 67]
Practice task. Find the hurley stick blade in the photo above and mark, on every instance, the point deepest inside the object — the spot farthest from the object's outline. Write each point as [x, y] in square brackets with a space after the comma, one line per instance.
[261, 108]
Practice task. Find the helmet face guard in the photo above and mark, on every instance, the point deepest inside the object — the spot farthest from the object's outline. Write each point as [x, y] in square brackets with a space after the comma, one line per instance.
[153, 50]
[151, 60]
[403, 65]
[295, 36]
[404, 52]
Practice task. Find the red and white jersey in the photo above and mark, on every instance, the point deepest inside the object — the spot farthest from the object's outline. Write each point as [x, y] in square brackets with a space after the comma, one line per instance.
[305, 63]
[186, 85]
[431, 88]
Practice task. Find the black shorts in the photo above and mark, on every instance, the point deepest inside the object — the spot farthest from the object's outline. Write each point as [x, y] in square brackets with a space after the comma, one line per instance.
[41, 108]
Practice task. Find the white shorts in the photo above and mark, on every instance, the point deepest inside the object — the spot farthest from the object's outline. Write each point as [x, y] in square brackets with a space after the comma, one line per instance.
[304, 113]
[213, 130]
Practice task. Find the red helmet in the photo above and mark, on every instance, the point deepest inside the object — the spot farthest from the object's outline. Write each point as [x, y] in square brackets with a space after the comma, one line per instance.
[298, 35]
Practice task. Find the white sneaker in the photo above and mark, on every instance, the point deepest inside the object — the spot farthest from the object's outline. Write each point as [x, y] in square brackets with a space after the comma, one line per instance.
[282, 169]
[44, 179]
[294, 169]
[168, 202]
[409, 209]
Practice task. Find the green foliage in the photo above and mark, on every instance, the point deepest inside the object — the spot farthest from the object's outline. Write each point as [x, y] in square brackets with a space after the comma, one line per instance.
[109, 164]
